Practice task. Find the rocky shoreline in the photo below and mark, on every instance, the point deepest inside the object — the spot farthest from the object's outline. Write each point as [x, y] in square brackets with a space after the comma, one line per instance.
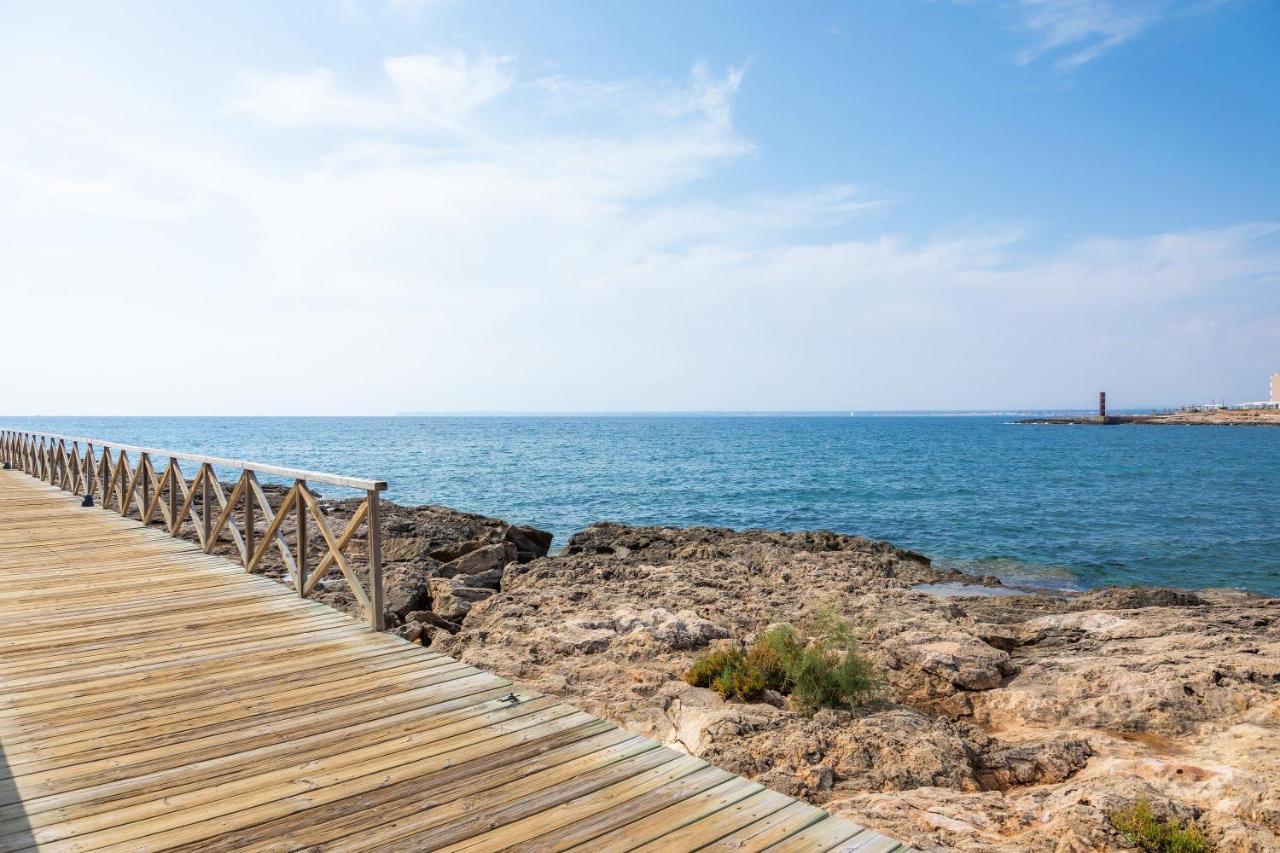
[1008, 722]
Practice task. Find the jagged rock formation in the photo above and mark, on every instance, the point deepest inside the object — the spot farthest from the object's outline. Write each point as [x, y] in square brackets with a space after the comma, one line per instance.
[1010, 722]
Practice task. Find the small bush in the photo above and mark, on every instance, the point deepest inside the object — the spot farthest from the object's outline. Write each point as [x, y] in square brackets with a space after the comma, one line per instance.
[834, 631]
[728, 672]
[710, 665]
[816, 675]
[771, 654]
[821, 678]
[1143, 829]
[743, 682]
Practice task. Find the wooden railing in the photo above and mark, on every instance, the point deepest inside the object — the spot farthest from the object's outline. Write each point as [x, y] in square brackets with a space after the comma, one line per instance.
[104, 470]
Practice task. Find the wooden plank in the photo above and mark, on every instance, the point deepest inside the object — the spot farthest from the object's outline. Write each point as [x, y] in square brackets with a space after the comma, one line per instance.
[827, 834]
[414, 799]
[165, 771]
[621, 814]
[212, 810]
[396, 687]
[729, 819]
[587, 795]
[666, 823]
[491, 797]
[766, 831]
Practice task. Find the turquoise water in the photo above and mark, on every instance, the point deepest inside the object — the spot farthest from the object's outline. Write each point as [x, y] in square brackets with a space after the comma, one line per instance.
[1058, 506]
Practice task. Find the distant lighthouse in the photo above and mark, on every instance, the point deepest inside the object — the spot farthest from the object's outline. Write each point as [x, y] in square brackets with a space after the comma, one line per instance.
[1102, 406]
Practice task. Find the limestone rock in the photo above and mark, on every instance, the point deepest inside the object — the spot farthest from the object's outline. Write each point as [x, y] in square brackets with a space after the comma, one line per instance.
[397, 549]
[530, 542]
[683, 630]
[451, 600]
[405, 587]
[483, 560]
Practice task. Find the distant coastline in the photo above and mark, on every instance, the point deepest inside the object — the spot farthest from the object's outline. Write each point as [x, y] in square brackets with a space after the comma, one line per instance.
[1213, 417]
[728, 413]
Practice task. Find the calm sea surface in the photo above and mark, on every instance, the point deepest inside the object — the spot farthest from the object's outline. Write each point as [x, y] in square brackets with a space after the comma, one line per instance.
[1058, 506]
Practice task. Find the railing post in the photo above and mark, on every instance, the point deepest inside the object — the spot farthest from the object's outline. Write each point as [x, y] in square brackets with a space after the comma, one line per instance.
[174, 474]
[378, 619]
[144, 471]
[302, 540]
[248, 520]
[90, 472]
[104, 470]
[206, 519]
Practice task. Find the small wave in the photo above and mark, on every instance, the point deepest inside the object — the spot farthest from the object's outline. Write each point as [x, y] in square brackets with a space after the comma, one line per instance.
[1019, 573]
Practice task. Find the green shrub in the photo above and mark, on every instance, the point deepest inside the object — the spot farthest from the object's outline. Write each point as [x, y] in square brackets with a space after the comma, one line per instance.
[743, 682]
[1143, 829]
[772, 653]
[831, 628]
[727, 672]
[822, 678]
[816, 675]
[709, 665]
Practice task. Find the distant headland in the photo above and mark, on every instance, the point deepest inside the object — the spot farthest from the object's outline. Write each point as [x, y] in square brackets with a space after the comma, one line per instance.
[1183, 417]
[1262, 413]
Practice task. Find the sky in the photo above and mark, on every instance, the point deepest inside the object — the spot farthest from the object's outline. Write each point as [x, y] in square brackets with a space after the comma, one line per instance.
[344, 207]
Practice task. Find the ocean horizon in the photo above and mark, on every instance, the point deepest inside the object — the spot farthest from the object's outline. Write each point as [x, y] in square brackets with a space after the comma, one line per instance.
[1044, 507]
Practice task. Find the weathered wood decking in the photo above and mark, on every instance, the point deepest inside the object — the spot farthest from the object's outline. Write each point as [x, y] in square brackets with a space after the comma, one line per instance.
[155, 697]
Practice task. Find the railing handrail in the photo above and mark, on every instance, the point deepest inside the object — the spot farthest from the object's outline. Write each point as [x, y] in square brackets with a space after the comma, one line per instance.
[260, 467]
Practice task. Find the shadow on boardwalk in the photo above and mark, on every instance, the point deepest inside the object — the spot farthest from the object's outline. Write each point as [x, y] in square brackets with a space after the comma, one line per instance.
[17, 833]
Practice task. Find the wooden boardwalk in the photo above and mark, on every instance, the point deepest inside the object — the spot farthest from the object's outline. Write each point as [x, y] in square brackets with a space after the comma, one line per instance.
[154, 697]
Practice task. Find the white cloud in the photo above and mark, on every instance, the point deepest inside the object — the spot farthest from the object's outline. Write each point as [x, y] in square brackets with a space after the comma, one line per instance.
[33, 192]
[359, 11]
[450, 85]
[410, 8]
[425, 90]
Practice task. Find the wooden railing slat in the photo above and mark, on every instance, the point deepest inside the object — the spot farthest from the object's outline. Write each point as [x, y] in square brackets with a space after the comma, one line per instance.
[327, 560]
[285, 556]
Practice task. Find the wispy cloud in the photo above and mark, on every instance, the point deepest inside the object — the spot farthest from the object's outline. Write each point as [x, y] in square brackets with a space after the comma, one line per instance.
[425, 89]
[1075, 32]
[354, 11]
[1083, 30]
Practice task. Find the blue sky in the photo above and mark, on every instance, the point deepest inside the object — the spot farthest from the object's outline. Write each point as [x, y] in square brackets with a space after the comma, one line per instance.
[604, 206]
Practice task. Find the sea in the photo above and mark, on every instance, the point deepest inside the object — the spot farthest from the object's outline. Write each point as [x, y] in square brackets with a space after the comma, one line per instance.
[1047, 507]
